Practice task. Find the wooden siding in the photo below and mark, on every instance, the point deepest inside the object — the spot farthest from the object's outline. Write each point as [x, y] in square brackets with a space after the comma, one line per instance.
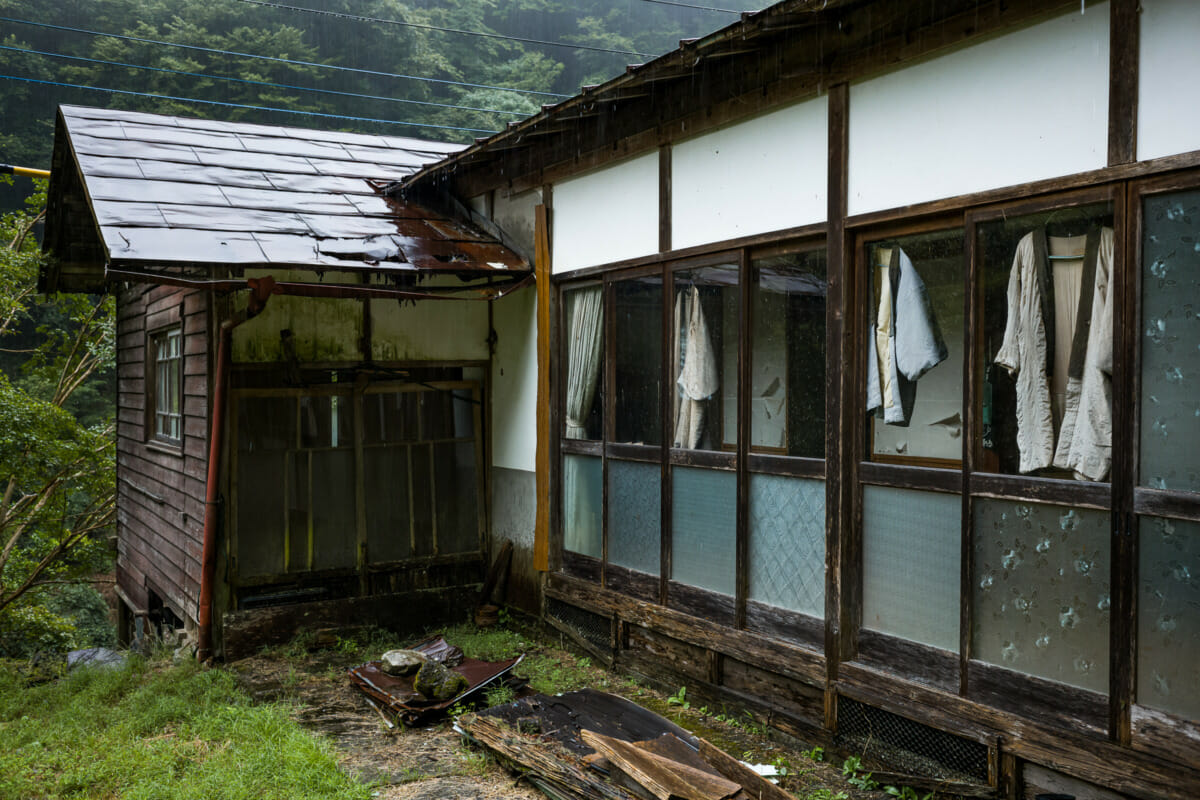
[161, 486]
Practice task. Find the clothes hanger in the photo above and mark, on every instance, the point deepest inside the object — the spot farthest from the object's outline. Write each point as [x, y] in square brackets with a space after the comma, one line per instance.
[1066, 216]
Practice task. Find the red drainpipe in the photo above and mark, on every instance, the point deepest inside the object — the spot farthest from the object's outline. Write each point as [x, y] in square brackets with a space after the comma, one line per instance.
[260, 290]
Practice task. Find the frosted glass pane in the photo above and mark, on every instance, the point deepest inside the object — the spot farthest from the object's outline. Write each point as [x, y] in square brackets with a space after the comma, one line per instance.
[1169, 617]
[582, 504]
[787, 543]
[704, 528]
[1171, 343]
[634, 515]
[912, 544]
[1042, 591]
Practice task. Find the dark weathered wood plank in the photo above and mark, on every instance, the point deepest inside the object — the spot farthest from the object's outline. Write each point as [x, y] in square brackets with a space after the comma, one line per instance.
[1123, 46]
[541, 537]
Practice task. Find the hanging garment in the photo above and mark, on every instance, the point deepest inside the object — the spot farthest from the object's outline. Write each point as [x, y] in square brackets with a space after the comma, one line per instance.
[1085, 438]
[904, 344]
[698, 377]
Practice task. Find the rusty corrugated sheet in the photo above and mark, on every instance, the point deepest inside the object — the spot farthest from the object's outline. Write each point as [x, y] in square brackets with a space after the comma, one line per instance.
[396, 693]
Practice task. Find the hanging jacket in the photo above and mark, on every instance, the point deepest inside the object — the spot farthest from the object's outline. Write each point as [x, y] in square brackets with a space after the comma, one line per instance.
[914, 343]
[1085, 439]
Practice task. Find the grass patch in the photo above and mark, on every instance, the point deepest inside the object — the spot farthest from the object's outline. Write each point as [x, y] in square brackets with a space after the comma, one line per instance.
[157, 732]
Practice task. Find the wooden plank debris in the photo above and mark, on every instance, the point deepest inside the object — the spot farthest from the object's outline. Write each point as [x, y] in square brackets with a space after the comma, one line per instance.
[663, 777]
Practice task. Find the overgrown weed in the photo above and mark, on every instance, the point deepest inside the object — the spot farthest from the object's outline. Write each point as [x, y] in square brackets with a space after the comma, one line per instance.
[152, 730]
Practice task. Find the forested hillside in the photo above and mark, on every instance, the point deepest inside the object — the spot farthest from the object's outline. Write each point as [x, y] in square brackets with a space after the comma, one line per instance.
[446, 69]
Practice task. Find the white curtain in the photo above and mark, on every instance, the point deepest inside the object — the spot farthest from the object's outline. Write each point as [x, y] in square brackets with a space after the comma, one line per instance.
[585, 326]
[585, 331]
[695, 364]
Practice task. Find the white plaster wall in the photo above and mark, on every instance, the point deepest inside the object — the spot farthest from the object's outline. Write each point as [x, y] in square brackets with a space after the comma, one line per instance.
[607, 215]
[762, 175]
[514, 381]
[429, 330]
[514, 214]
[1169, 78]
[1025, 106]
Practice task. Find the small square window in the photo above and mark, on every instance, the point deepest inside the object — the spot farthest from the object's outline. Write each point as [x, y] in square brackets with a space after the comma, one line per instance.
[166, 385]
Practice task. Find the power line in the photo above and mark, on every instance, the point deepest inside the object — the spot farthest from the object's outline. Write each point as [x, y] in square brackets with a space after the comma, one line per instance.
[277, 60]
[259, 83]
[342, 15]
[242, 105]
[689, 5]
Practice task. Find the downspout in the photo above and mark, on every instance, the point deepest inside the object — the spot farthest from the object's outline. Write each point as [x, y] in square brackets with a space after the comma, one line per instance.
[260, 290]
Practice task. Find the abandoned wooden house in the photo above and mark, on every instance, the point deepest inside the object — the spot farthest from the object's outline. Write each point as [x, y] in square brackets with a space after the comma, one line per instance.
[269, 292]
[858, 388]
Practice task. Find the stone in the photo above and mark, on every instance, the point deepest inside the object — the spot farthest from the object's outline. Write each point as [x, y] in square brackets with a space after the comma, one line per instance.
[402, 662]
[437, 682]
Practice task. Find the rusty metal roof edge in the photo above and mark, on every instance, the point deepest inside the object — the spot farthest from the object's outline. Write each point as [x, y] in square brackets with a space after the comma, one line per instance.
[750, 22]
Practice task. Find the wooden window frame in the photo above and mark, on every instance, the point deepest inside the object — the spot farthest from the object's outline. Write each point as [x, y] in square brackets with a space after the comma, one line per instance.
[155, 415]
[736, 610]
[1139, 726]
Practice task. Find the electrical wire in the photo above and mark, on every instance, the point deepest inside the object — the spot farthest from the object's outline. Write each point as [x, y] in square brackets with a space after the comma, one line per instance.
[423, 26]
[689, 5]
[260, 83]
[277, 60]
[243, 105]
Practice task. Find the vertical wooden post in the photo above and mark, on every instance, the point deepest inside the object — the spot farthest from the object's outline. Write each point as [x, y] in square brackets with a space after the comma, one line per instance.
[1126, 381]
[838, 398]
[541, 536]
[1123, 36]
[664, 198]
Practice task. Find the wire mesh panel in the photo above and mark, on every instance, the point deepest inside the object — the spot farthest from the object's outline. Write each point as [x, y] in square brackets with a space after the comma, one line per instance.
[907, 746]
[591, 627]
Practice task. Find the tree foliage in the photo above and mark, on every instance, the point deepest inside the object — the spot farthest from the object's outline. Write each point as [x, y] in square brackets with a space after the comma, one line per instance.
[641, 29]
[57, 476]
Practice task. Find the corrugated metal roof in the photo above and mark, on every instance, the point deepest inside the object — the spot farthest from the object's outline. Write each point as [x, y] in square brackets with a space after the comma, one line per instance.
[166, 192]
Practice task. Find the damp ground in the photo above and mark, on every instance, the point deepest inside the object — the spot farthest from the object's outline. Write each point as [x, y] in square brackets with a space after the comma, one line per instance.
[433, 762]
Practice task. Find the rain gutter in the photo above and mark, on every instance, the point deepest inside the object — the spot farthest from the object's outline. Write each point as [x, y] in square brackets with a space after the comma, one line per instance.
[492, 291]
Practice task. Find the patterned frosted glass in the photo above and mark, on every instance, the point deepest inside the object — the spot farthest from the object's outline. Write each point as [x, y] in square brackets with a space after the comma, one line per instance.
[787, 543]
[1042, 591]
[912, 544]
[704, 528]
[582, 504]
[1170, 401]
[634, 515]
[1169, 617]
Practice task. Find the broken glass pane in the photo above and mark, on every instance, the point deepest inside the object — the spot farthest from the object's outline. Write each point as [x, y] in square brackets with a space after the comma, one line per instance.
[787, 392]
